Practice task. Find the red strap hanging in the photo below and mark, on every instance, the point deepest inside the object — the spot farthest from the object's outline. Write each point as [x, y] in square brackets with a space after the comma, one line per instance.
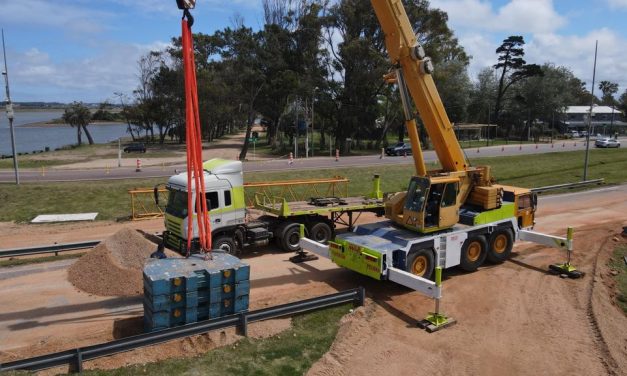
[195, 173]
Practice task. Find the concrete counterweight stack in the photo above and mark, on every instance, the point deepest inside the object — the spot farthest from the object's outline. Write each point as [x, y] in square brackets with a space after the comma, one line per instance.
[180, 291]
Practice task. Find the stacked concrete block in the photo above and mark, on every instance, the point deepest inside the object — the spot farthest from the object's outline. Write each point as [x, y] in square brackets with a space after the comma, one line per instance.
[180, 291]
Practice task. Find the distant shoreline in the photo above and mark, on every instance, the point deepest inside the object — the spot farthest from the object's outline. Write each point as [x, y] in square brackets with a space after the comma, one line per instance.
[48, 124]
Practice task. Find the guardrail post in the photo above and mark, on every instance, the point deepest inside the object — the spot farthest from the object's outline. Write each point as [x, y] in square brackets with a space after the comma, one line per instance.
[243, 324]
[361, 297]
[77, 366]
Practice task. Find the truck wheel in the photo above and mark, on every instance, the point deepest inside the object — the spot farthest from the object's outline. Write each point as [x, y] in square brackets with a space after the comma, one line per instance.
[288, 236]
[473, 253]
[321, 232]
[226, 244]
[421, 263]
[500, 245]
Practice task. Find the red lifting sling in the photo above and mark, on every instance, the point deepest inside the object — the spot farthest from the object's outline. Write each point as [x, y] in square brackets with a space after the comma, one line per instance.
[195, 173]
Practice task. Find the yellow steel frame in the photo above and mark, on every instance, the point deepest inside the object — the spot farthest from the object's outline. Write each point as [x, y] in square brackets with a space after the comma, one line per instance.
[296, 190]
[143, 204]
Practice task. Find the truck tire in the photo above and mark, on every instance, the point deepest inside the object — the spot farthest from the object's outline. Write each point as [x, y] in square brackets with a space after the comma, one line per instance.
[421, 263]
[288, 236]
[500, 245]
[321, 232]
[474, 252]
[226, 244]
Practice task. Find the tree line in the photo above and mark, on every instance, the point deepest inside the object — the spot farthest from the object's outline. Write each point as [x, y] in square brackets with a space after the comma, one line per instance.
[323, 62]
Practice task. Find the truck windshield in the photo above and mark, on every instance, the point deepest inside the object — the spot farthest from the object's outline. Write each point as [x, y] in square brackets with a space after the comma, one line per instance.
[416, 193]
[177, 204]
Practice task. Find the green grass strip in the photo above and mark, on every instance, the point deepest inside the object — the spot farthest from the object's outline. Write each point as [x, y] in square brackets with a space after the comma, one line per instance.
[291, 352]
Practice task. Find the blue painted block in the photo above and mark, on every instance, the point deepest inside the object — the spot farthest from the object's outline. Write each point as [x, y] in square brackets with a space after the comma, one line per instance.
[184, 290]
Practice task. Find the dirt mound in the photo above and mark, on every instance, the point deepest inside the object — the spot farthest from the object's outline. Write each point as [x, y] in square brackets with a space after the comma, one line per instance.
[113, 267]
[355, 331]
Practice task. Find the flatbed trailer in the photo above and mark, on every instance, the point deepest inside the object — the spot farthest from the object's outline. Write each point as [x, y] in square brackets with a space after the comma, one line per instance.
[235, 225]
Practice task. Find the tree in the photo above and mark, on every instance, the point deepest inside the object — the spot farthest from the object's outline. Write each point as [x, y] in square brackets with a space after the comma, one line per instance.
[78, 116]
[513, 68]
[622, 103]
[608, 89]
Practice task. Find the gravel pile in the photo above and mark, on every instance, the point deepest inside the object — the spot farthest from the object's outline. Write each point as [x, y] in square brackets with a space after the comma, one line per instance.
[114, 267]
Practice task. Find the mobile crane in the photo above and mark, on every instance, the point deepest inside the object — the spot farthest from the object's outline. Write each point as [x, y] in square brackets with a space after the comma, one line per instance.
[454, 216]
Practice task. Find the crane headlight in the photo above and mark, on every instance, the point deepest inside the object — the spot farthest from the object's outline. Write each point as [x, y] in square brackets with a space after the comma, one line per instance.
[417, 52]
[426, 66]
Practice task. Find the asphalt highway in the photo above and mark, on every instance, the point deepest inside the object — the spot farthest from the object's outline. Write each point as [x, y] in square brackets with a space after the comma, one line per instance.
[58, 174]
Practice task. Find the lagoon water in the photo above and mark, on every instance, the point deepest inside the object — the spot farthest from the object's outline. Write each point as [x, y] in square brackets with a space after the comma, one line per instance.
[28, 139]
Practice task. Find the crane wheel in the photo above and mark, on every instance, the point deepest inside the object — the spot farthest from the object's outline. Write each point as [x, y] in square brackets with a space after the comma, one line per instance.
[421, 263]
[474, 252]
[321, 232]
[500, 245]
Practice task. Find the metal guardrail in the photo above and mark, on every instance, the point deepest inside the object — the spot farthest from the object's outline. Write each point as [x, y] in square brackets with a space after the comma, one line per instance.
[76, 357]
[567, 185]
[55, 248]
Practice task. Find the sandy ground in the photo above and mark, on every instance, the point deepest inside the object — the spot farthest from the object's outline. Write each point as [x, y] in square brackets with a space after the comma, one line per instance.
[512, 318]
[227, 148]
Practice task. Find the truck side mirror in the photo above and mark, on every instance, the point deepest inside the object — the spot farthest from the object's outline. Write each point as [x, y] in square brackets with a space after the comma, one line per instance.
[156, 193]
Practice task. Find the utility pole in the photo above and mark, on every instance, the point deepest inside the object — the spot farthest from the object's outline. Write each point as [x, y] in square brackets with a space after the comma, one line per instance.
[9, 110]
[594, 71]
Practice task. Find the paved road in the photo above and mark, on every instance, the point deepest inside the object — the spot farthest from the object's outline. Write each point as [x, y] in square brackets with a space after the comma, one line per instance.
[65, 174]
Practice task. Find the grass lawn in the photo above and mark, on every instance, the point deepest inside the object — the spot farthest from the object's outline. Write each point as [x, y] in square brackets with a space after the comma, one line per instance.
[112, 201]
[37, 260]
[289, 353]
[617, 263]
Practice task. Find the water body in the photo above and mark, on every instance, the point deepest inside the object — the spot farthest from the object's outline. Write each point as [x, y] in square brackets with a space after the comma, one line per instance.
[28, 139]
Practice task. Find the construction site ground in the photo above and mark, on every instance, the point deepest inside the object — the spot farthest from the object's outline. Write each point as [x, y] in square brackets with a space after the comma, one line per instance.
[513, 318]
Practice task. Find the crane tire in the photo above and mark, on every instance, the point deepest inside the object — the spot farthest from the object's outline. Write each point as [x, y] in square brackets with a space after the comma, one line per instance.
[421, 263]
[500, 245]
[474, 252]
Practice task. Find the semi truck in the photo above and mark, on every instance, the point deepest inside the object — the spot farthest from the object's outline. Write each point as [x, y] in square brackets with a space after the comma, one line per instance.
[235, 225]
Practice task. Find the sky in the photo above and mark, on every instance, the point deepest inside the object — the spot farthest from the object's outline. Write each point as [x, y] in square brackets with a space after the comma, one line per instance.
[87, 50]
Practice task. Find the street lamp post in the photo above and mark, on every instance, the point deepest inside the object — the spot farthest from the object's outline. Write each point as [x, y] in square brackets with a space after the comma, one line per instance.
[594, 71]
[9, 110]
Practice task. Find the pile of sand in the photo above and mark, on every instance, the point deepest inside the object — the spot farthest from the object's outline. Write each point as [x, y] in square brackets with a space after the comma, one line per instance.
[114, 267]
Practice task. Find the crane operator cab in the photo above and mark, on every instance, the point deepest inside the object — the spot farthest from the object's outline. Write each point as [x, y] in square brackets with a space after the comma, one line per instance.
[430, 204]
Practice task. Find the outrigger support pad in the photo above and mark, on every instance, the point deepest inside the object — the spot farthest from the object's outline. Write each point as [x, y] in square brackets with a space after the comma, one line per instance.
[567, 268]
[301, 254]
[436, 320]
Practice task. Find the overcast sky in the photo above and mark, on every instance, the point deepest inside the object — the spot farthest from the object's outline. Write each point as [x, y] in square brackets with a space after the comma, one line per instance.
[65, 50]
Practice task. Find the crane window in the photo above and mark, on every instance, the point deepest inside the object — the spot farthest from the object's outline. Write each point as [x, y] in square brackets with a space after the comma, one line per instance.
[227, 198]
[212, 200]
[418, 187]
[450, 195]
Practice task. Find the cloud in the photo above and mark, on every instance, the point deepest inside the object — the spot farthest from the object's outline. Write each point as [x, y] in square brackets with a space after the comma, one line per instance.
[618, 3]
[577, 53]
[55, 14]
[517, 16]
[36, 76]
[481, 28]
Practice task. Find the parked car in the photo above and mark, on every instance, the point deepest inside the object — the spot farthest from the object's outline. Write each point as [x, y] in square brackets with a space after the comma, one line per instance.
[136, 146]
[573, 134]
[400, 148]
[607, 142]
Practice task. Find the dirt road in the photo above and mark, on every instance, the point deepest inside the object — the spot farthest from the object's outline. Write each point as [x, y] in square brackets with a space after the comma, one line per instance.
[512, 318]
